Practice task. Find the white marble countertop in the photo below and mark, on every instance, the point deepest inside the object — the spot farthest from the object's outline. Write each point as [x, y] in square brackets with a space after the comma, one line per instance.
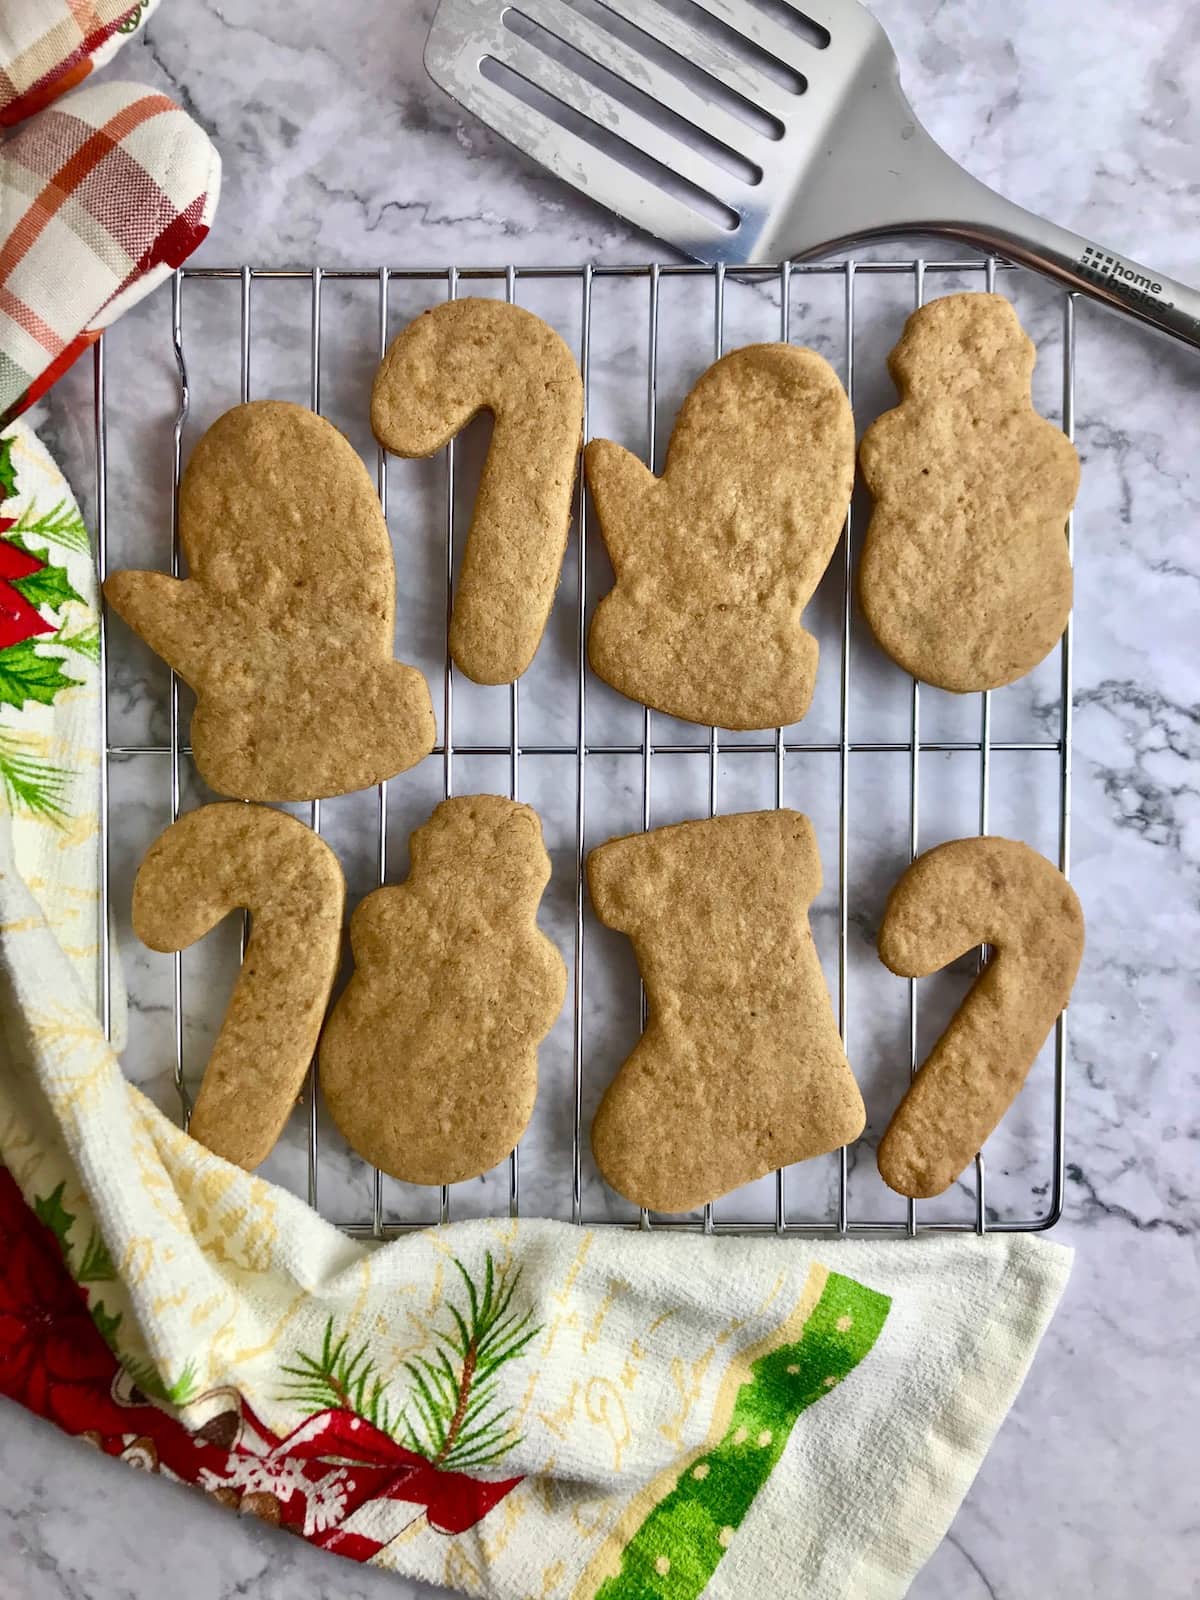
[338, 151]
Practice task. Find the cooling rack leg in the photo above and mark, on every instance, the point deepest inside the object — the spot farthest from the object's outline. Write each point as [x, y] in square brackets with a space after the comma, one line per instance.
[647, 714]
[448, 670]
[985, 776]
[176, 459]
[246, 283]
[314, 810]
[577, 1042]
[843, 1218]
[100, 412]
[914, 806]
[514, 794]
[381, 477]
[785, 334]
[1066, 732]
[713, 743]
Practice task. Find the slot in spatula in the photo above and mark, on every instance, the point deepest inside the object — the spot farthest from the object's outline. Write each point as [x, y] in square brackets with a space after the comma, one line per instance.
[751, 130]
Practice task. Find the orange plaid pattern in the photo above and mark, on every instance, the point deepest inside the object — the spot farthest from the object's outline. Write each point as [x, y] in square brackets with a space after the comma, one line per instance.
[102, 194]
[46, 49]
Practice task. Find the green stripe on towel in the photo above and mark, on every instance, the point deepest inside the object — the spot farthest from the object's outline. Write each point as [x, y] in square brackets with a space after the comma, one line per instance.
[677, 1548]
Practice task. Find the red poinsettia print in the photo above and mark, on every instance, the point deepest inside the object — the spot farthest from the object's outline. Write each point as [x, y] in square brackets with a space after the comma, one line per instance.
[52, 1355]
[336, 1479]
[18, 619]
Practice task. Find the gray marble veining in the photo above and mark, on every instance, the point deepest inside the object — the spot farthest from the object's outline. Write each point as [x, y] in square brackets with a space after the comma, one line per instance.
[338, 151]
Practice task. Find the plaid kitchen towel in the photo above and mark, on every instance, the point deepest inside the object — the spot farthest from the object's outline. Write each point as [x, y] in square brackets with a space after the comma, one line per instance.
[102, 195]
[49, 46]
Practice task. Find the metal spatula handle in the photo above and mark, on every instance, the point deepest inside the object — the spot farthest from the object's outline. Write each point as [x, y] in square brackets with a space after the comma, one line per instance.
[1106, 275]
[921, 189]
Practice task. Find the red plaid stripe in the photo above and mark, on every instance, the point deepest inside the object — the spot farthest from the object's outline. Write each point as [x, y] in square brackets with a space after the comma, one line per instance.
[68, 181]
[121, 186]
[46, 49]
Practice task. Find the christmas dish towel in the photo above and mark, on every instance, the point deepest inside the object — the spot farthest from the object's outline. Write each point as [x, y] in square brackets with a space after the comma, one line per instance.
[511, 1409]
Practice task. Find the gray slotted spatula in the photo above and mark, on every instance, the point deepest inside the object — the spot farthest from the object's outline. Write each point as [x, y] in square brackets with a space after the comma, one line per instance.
[751, 130]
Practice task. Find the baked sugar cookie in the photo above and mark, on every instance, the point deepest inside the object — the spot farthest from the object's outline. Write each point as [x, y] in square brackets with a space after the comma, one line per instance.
[429, 1060]
[207, 864]
[959, 895]
[716, 560]
[740, 1069]
[284, 627]
[456, 360]
[965, 577]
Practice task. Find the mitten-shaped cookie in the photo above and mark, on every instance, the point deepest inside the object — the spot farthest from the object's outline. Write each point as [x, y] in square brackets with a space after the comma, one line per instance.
[284, 628]
[970, 892]
[460, 358]
[716, 559]
[965, 577]
[209, 863]
[740, 1069]
[429, 1060]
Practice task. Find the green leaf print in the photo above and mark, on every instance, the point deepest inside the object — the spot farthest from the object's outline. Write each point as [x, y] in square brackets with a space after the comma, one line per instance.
[450, 1416]
[31, 785]
[50, 1210]
[340, 1378]
[679, 1545]
[61, 525]
[49, 586]
[96, 1265]
[25, 676]
[107, 1324]
[85, 643]
[8, 473]
[146, 1376]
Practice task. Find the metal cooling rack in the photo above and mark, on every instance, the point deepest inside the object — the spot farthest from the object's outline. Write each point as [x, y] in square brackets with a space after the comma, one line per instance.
[450, 280]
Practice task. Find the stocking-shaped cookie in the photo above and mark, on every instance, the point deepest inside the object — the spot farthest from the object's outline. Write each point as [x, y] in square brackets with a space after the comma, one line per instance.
[959, 895]
[205, 865]
[429, 1060]
[284, 628]
[740, 1069]
[965, 577]
[467, 356]
[716, 559]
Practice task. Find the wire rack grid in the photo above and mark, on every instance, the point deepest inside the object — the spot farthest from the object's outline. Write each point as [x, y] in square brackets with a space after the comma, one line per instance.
[712, 747]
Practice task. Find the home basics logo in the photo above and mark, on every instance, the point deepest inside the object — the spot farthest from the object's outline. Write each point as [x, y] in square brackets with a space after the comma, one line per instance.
[1127, 281]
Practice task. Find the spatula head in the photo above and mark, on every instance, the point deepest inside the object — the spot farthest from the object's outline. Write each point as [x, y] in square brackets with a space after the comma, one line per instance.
[737, 130]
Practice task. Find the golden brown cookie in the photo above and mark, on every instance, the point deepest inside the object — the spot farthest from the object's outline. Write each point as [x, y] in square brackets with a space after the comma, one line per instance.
[740, 1069]
[959, 895]
[454, 361]
[965, 577]
[716, 560]
[211, 862]
[429, 1060]
[284, 628]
